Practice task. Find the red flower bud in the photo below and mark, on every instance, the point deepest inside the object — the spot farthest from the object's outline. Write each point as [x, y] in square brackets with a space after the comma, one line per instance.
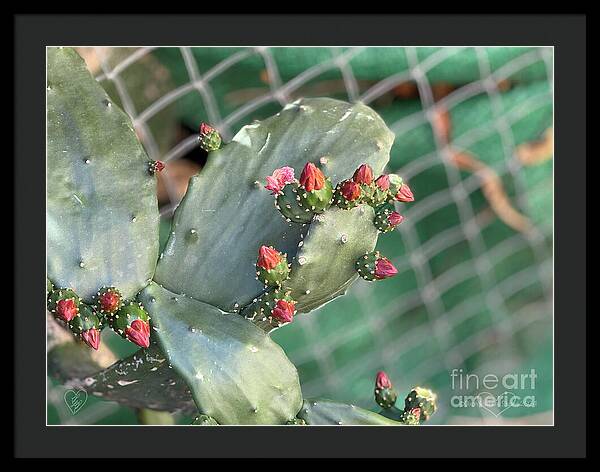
[280, 178]
[383, 182]
[395, 218]
[416, 412]
[205, 129]
[405, 194]
[66, 309]
[363, 175]
[91, 338]
[284, 311]
[268, 258]
[139, 333]
[110, 301]
[382, 380]
[159, 166]
[350, 190]
[312, 178]
[384, 268]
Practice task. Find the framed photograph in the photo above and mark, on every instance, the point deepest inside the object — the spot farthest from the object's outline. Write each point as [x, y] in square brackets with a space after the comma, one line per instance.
[343, 241]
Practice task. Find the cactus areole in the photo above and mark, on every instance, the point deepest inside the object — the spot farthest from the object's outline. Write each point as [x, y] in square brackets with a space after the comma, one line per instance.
[209, 302]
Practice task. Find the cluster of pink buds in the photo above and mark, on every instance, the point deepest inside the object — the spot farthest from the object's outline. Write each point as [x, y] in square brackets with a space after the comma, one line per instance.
[279, 179]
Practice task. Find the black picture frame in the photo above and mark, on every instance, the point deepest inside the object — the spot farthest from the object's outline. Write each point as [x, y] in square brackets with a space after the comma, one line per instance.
[567, 438]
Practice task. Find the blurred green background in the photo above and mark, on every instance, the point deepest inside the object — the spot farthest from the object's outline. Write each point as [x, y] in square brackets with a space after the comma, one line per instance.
[473, 133]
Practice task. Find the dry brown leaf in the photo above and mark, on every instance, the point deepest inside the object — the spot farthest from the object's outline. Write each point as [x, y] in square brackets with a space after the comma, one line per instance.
[441, 124]
[536, 152]
[493, 190]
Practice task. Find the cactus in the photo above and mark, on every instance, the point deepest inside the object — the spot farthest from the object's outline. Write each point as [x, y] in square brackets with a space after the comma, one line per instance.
[386, 218]
[102, 212]
[228, 197]
[87, 324]
[202, 310]
[420, 403]
[64, 304]
[327, 412]
[209, 138]
[215, 352]
[373, 266]
[385, 393]
[204, 420]
[271, 267]
[132, 322]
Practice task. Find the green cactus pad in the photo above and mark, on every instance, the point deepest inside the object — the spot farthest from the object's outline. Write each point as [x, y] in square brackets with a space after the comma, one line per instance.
[126, 315]
[143, 380]
[237, 374]
[228, 198]
[324, 265]
[102, 211]
[317, 201]
[327, 412]
[290, 206]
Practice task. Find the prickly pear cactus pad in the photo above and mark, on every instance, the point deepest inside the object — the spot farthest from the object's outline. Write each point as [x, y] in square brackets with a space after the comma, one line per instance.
[236, 373]
[227, 214]
[102, 212]
[142, 380]
[327, 412]
[317, 275]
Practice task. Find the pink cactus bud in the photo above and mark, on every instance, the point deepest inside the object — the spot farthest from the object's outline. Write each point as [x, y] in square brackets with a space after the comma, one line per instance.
[159, 166]
[139, 333]
[268, 258]
[382, 380]
[205, 129]
[384, 268]
[383, 182]
[273, 185]
[350, 190]
[66, 309]
[312, 178]
[395, 218]
[279, 179]
[416, 412]
[110, 301]
[363, 175]
[405, 194]
[284, 311]
[92, 338]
